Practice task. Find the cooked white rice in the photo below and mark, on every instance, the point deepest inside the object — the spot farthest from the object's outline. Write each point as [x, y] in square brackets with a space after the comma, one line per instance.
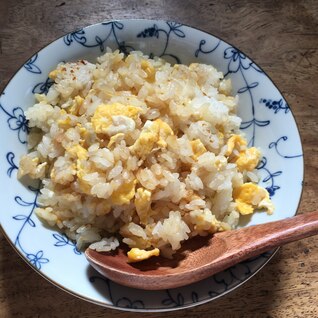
[137, 149]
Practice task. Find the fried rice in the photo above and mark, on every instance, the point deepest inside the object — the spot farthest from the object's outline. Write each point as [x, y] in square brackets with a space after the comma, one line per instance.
[133, 149]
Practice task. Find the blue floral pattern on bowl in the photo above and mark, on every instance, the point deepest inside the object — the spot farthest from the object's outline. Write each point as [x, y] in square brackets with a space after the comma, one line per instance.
[31, 66]
[17, 122]
[262, 108]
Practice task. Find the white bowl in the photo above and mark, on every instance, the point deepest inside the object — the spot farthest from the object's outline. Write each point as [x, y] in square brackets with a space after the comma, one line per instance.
[267, 122]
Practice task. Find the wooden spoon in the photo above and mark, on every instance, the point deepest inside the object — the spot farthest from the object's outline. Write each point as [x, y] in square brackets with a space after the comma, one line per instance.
[201, 257]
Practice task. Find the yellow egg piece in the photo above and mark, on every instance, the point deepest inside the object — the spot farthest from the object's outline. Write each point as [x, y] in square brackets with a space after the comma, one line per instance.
[154, 134]
[143, 204]
[102, 117]
[197, 148]
[77, 151]
[149, 69]
[245, 158]
[235, 142]
[65, 123]
[84, 133]
[145, 143]
[164, 131]
[114, 139]
[244, 208]
[248, 159]
[53, 74]
[137, 255]
[250, 196]
[80, 173]
[124, 193]
[78, 102]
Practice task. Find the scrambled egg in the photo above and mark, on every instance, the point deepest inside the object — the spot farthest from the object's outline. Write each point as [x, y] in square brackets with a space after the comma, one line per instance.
[149, 69]
[103, 116]
[65, 123]
[235, 142]
[248, 159]
[143, 204]
[85, 135]
[250, 196]
[154, 134]
[77, 151]
[245, 158]
[114, 139]
[53, 74]
[80, 173]
[78, 102]
[137, 255]
[124, 193]
[197, 148]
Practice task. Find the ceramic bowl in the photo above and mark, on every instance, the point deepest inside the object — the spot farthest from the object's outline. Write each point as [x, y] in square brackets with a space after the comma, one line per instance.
[267, 122]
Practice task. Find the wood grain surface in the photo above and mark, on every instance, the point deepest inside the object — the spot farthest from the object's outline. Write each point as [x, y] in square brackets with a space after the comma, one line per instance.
[280, 36]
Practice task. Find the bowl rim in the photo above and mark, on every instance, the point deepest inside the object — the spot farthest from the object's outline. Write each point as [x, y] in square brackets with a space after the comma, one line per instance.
[203, 301]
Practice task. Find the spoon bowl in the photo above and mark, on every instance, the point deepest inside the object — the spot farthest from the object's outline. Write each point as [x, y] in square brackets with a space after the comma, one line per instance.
[201, 257]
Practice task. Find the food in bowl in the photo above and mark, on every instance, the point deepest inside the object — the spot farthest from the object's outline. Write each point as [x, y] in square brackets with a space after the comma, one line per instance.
[135, 149]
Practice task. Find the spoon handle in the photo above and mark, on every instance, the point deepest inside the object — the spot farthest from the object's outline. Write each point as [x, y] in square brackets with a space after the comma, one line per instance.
[254, 240]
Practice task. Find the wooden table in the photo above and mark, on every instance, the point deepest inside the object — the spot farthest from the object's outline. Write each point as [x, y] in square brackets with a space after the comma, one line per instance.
[282, 37]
